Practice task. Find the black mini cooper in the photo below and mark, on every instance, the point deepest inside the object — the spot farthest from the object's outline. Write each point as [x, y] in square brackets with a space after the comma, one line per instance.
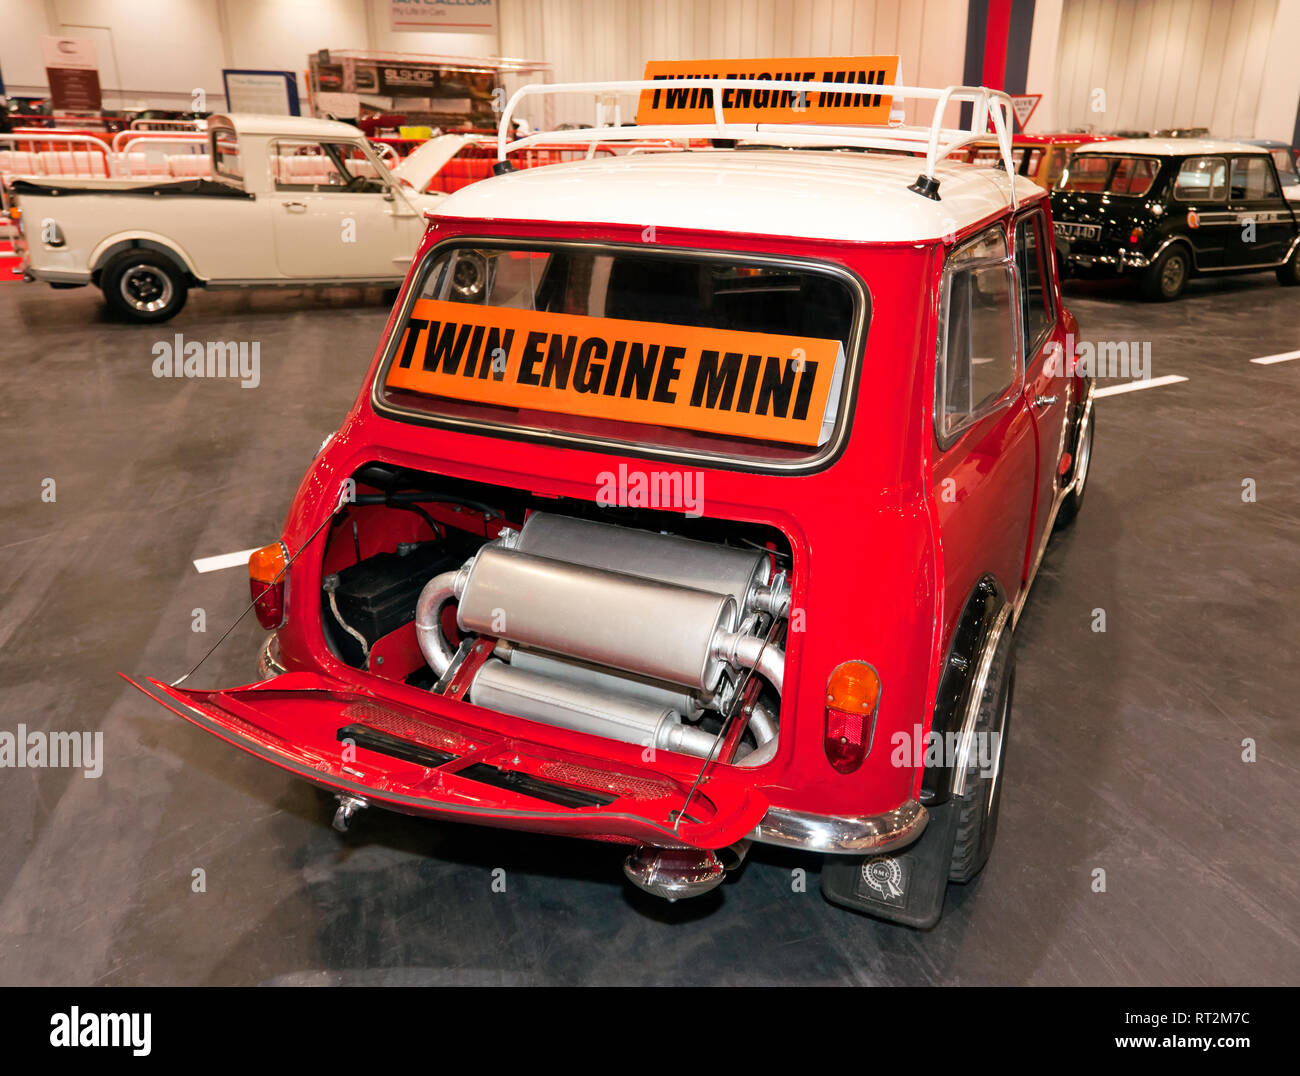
[1167, 209]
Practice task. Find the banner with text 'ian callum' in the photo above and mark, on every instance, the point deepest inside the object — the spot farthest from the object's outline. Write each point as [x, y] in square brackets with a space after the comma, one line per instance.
[689, 104]
[746, 384]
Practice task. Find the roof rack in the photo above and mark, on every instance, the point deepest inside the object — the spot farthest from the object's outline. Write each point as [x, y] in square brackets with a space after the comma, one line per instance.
[989, 107]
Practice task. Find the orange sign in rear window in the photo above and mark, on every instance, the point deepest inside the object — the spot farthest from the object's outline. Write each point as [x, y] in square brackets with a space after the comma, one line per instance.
[746, 384]
[858, 103]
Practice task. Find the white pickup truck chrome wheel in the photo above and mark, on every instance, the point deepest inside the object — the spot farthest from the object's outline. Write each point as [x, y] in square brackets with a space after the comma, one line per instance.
[143, 285]
[146, 288]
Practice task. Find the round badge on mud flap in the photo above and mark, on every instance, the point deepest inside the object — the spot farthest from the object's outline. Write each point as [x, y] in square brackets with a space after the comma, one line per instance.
[884, 879]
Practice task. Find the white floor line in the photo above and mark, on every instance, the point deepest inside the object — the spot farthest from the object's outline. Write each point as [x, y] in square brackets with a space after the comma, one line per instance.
[1133, 386]
[1268, 360]
[226, 560]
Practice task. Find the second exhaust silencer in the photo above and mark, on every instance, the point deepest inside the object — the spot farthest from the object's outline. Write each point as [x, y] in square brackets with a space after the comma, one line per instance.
[668, 558]
[585, 708]
[639, 625]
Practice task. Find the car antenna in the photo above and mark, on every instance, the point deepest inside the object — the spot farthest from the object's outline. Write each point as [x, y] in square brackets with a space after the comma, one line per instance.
[194, 668]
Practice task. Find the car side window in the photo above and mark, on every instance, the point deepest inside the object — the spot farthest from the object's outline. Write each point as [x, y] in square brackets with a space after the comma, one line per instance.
[1056, 165]
[1286, 166]
[1252, 178]
[978, 362]
[1033, 260]
[1201, 179]
[308, 165]
[225, 154]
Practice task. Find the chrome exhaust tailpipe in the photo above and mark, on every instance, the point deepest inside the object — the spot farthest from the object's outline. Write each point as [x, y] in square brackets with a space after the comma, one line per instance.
[677, 873]
[347, 809]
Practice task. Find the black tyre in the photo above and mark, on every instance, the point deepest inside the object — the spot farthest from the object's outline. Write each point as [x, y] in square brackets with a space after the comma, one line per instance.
[977, 819]
[141, 285]
[1167, 278]
[1073, 500]
[1288, 273]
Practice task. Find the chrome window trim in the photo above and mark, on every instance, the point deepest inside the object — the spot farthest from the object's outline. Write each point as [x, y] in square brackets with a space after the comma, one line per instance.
[822, 457]
[1032, 348]
[946, 439]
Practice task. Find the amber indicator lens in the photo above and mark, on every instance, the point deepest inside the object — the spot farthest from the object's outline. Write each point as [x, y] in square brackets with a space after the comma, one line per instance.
[852, 698]
[267, 583]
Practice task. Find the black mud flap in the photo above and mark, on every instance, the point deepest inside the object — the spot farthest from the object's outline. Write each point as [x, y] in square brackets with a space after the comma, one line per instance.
[905, 887]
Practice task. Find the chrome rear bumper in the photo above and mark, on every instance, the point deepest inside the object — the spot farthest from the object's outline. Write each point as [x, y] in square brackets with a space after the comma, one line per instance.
[843, 834]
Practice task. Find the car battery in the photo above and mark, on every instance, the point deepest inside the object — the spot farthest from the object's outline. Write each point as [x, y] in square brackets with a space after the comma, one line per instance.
[377, 596]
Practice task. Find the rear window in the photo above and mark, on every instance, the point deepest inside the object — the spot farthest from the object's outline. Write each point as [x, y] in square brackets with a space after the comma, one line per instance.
[1252, 179]
[1104, 174]
[225, 154]
[1285, 164]
[686, 353]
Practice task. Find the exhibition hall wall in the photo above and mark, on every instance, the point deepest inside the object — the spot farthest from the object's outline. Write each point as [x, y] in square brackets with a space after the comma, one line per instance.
[1229, 65]
[1225, 64]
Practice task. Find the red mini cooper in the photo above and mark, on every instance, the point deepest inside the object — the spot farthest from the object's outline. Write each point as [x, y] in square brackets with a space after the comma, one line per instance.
[689, 501]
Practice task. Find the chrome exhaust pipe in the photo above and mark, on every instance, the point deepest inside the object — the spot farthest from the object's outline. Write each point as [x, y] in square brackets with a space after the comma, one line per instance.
[438, 592]
[677, 873]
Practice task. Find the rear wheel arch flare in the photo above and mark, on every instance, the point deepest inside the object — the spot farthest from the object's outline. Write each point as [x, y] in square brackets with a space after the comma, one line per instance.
[1180, 242]
[170, 253]
[974, 633]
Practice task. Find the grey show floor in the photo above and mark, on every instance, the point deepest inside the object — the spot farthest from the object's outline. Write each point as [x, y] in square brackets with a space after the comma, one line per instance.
[1126, 749]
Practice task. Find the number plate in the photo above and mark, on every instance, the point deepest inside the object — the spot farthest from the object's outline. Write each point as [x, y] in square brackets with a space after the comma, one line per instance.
[1077, 231]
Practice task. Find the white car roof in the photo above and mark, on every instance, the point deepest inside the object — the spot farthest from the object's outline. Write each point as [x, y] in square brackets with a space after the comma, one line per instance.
[1169, 147]
[851, 196]
[290, 126]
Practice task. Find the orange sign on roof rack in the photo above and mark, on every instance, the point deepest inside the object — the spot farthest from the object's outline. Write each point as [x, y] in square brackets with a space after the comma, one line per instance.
[858, 104]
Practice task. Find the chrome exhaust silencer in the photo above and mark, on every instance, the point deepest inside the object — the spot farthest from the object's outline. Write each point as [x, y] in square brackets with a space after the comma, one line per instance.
[677, 873]
[683, 562]
[641, 626]
[586, 708]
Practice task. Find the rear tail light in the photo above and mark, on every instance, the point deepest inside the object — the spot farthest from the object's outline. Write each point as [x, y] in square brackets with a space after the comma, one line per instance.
[852, 699]
[1135, 236]
[268, 583]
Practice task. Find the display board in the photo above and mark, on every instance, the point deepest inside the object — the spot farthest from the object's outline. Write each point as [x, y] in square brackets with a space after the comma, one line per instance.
[271, 93]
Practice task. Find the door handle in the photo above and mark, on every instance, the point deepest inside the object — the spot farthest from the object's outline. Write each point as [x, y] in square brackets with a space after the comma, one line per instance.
[291, 206]
[1044, 401]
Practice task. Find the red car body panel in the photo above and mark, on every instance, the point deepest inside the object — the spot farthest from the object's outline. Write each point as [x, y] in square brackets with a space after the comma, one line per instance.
[869, 531]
